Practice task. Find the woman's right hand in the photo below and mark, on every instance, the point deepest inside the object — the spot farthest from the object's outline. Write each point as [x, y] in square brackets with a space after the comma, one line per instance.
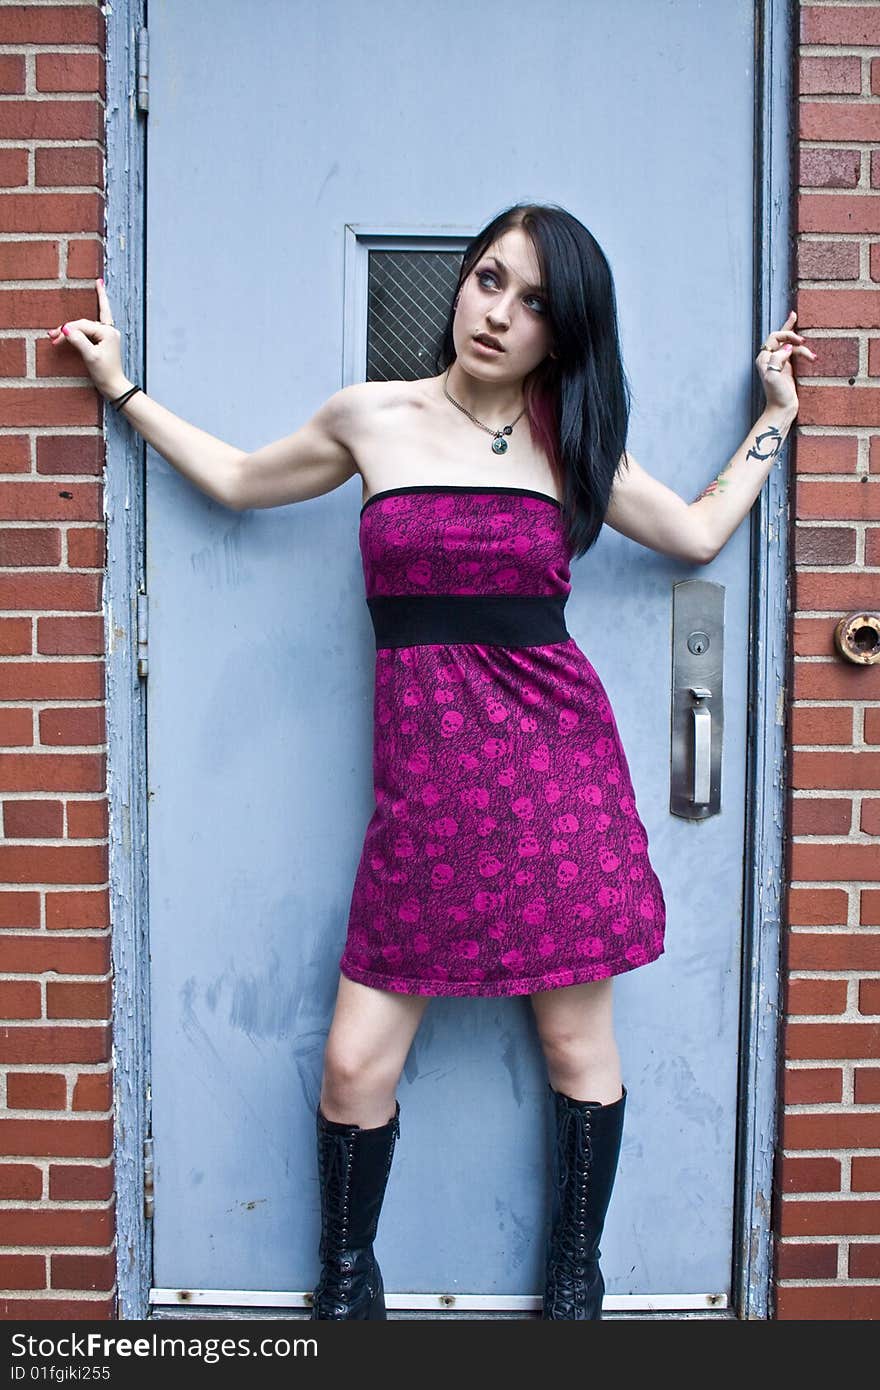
[99, 346]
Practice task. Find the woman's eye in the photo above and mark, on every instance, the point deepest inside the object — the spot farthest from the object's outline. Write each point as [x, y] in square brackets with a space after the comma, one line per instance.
[535, 300]
[481, 275]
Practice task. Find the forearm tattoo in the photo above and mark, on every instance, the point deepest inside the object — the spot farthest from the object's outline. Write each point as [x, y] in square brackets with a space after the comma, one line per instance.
[765, 447]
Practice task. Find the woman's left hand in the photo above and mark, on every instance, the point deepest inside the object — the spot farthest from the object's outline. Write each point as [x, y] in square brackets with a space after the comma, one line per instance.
[778, 350]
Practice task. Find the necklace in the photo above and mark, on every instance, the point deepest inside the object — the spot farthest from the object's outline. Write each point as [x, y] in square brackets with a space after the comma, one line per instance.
[499, 443]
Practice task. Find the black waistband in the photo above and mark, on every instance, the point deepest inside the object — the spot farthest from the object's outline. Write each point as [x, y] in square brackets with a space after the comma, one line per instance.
[515, 620]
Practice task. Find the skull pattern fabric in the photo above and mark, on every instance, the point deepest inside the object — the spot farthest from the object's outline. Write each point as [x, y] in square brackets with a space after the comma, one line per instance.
[505, 853]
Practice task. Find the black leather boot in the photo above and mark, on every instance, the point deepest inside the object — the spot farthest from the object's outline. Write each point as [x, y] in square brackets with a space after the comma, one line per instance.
[587, 1146]
[353, 1168]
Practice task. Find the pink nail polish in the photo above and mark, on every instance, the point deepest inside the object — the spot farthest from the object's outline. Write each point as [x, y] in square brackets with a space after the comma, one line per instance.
[64, 330]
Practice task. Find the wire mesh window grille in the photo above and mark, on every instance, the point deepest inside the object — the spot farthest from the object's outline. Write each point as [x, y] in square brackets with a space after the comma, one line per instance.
[409, 294]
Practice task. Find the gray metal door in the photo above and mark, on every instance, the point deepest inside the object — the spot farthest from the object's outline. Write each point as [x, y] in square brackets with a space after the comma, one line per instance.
[288, 142]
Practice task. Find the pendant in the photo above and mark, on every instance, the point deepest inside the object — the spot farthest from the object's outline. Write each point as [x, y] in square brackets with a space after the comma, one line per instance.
[499, 444]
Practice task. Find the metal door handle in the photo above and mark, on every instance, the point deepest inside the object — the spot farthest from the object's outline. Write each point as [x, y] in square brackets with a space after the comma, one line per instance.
[702, 745]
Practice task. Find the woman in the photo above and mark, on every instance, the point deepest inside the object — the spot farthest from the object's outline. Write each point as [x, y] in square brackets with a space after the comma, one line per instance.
[505, 854]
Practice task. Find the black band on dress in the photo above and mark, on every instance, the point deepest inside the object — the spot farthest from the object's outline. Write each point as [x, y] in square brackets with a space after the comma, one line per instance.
[515, 620]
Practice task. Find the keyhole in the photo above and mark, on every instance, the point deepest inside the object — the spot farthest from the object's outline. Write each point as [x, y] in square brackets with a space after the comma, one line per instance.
[698, 643]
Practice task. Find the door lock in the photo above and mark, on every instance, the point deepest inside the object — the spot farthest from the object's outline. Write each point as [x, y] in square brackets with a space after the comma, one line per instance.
[697, 703]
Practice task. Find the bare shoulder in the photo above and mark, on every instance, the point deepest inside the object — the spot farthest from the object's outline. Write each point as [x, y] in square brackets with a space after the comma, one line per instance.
[357, 408]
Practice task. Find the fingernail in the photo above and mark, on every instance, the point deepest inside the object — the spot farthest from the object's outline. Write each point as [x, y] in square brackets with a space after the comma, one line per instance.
[64, 330]
[100, 282]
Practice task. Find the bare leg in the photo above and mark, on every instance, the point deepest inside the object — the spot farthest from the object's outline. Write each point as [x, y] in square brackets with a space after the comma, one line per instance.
[576, 1028]
[367, 1046]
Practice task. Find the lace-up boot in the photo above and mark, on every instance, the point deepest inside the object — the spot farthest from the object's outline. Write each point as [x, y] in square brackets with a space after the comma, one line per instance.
[353, 1168]
[587, 1146]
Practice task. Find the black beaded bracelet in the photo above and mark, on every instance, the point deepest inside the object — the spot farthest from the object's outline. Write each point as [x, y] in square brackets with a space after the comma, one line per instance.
[120, 400]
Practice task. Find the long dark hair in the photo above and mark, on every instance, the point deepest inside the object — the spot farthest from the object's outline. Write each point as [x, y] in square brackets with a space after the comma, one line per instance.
[577, 404]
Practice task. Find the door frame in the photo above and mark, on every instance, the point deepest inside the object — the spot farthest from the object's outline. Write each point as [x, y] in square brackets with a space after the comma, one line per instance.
[766, 784]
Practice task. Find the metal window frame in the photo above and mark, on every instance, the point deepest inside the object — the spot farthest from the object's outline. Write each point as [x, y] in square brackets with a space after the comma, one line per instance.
[124, 503]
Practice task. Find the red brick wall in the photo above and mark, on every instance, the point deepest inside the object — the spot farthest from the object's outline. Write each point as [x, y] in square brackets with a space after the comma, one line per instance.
[828, 1163]
[57, 1256]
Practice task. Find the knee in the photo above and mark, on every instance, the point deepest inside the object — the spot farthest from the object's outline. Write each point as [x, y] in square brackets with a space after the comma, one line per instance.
[573, 1050]
[351, 1070]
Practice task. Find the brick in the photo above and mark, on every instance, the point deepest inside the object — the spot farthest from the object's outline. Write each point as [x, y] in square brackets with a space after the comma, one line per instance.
[44, 953]
[844, 28]
[816, 1218]
[869, 996]
[36, 1091]
[20, 1181]
[57, 1309]
[86, 547]
[13, 357]
[70, 636]
[22, 1272]
[820, 815]
[825, 545]
[829, 168]
[53, 1043]
[67, 1138]
[815, 996]
[81, 1182]
[802, 1261]
[47, 772]
[821, 724]
[30, 546]
[865, 1176]
[828, 260]
[69, 167]
[850, 499]
[833, 1303]
[809, 1174]
[87, 820]
[67, 1226]
[29, 260]
[49, 212]
[841, 1129]
[70, 72]
[43, 680]
[20, 999]
[842, 861]
[53, 864]
[813, 1085]
[64, 724]
[77, 911]
[866, 1085]
[78, 999]
[32, 820]
[93, 1091]
[829, 453]
[55, 24]
[83, 1271]
[19, 910]
[42, 501]
[69, 453]
[864, 1262]
[817, 907]
[12, 73]
[826, 1040]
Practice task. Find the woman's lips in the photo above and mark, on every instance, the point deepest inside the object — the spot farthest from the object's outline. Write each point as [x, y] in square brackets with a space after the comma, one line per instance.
[484, 347]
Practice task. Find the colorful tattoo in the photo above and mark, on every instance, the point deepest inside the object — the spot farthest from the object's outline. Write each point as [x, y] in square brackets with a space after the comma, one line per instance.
[769, 452]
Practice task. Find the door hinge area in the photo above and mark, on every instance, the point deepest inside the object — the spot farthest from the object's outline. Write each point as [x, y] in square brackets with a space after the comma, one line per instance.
[143, 633]
[143, 70]
[148, 1179]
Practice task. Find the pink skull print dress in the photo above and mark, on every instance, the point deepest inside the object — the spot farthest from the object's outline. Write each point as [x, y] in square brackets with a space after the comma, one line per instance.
[505, 853]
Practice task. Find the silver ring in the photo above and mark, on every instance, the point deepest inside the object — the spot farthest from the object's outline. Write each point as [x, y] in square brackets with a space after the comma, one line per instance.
[771, 368]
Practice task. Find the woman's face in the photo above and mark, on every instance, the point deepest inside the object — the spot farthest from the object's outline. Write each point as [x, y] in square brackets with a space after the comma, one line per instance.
[502, 296]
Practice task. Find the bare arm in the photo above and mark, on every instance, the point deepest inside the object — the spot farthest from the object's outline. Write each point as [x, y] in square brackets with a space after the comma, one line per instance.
[199, 456]
[313, 460]
[649, 512]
